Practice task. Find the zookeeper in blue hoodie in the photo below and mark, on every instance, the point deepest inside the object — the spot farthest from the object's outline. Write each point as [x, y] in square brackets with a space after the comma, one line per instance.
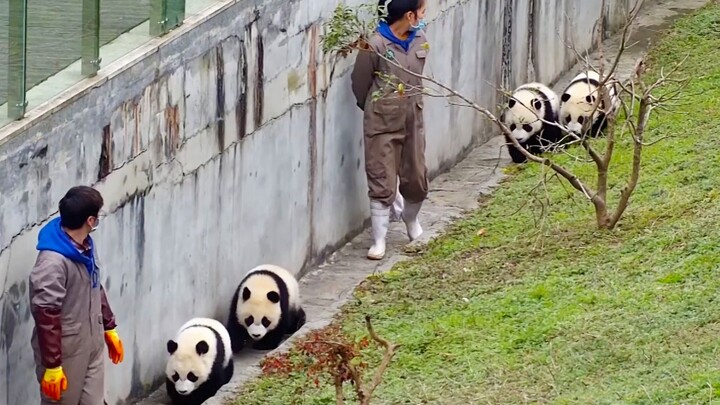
[68, 303]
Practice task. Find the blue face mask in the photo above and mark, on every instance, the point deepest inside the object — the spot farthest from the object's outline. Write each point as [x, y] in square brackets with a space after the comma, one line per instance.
[420, 26]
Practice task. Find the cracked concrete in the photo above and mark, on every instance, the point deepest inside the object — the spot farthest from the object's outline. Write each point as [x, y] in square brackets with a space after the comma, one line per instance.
[326, 288]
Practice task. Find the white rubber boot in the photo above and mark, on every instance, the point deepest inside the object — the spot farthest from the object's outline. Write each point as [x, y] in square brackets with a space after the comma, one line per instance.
[410, 216]
[397, 207]
[380, 217]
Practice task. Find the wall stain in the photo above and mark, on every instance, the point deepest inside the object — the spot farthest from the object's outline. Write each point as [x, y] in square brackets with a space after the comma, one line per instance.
[172, 122]
[259, 82]
[293, 81]
[105, 164]
[506, 64]
[137, 388]
[40, 153]
[139, 205]
[241, 105]
[137, 109]
[11, 314]
[220, 96]
[312, 141]
[532, 53]
[130, 198]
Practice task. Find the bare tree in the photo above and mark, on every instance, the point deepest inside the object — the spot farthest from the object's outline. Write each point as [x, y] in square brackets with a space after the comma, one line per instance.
[350, 28]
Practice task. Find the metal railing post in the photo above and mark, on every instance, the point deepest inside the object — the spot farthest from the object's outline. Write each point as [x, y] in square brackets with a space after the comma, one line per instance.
[90, 37]
[17, 59]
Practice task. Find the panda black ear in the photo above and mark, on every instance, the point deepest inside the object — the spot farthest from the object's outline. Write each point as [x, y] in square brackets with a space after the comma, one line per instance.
[565, 97]
[537, 104]
[273, 297]
[202, 347]
[246, 294]
[511, 103]
[171, 346]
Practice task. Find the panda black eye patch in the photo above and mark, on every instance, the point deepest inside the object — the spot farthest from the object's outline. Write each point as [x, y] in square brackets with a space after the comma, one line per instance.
[265, 322]
[175, 377]
[527, 128]
[249, 320]
[512, 127]
[273, 297]
[192, 377]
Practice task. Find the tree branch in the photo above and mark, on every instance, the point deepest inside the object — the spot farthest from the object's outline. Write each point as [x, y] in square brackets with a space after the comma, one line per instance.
[390, 349]
[339, 394]
[643, 118]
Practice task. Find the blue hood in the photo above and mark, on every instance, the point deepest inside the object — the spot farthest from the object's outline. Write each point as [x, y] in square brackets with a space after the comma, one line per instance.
[385, 31]
[53, 238]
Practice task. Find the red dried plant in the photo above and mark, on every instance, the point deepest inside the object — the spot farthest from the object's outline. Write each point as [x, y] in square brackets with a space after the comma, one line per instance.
[329, 352]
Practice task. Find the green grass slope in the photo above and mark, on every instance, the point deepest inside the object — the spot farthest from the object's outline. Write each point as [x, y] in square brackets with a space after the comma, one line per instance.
[566, 313]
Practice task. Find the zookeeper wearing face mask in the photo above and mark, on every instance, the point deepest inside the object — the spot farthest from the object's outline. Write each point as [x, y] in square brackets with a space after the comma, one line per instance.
[394, 131]
[68, 303]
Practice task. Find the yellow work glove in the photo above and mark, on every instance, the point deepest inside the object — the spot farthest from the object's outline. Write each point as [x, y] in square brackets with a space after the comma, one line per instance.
[54, 383]
[115, 346]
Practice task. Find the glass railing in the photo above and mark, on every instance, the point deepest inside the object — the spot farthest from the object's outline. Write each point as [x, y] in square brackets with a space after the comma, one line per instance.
[47, 46]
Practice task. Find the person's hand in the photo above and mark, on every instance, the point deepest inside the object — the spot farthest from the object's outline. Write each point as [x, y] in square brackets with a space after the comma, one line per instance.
[115, 346]
[54, 383]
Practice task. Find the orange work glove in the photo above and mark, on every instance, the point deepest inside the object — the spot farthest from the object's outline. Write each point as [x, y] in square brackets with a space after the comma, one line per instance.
[115, 346]
[54, 383]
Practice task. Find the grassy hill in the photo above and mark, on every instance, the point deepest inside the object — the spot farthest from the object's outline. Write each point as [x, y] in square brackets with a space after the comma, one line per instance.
[565, 313]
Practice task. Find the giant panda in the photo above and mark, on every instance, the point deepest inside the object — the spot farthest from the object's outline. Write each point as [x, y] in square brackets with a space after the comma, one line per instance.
[528, 102]
[265, 307]
[578, 100]
[200, 361]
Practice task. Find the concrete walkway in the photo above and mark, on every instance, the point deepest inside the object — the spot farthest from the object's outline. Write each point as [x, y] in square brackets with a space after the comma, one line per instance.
[453, 194]
[327, 288]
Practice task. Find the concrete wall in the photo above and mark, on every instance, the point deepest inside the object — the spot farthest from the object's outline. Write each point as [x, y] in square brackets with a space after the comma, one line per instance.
[225, 145]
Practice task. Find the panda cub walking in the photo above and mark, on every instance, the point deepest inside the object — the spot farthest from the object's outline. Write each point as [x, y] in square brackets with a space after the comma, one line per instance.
[200, 361]
[578, 100]
[530, 114]
[265, 307]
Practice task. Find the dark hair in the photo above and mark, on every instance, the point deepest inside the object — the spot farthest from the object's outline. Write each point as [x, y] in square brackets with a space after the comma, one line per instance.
[397, 8]
[79, 204]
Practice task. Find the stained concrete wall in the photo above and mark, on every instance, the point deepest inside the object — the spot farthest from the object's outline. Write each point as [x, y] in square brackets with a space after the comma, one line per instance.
[225, 145]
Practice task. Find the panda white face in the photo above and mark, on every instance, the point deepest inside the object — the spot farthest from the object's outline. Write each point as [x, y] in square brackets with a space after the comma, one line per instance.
[189, 365]
[524, 114]
[184, 386]
[260, 310]
[577, 104]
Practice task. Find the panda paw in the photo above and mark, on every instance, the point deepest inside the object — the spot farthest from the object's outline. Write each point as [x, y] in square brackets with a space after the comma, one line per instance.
[266, 345]
[237, 344]
[270, 342]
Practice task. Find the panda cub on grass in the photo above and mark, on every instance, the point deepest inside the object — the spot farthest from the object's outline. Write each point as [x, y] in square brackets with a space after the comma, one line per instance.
[265, 308]
[578, 101]
[200, 361]
[530, 104]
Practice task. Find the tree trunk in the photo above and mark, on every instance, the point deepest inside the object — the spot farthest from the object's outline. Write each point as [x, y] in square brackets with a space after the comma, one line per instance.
[604, 219]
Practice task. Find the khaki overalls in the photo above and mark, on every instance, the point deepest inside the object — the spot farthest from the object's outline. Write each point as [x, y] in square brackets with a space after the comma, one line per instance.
[393, 126]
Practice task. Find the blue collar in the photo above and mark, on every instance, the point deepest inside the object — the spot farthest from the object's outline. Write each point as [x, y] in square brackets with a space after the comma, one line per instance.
[384, 30]
[52, 237]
